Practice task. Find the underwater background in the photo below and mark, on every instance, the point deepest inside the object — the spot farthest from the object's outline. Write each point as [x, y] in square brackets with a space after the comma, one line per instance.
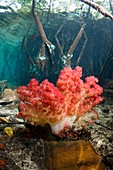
[20, 43]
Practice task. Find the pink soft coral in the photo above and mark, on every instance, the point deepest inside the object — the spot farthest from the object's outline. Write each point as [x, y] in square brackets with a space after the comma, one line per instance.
[62, 105]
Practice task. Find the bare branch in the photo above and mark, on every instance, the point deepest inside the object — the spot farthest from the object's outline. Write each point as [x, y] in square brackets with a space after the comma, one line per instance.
[99, 8]
[111, 7]
[24, 43]
[58, 43]
[73, 46]
[105, 62]
[82, 50]
[50, 46]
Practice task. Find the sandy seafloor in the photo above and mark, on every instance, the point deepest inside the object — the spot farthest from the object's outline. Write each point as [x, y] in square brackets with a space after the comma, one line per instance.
[15, 158]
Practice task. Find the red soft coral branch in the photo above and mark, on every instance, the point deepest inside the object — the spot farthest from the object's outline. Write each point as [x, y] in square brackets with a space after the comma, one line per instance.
[41, 104]
[69, 100]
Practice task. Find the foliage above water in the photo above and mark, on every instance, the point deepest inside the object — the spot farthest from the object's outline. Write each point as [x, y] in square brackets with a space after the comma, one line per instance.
[75, 7]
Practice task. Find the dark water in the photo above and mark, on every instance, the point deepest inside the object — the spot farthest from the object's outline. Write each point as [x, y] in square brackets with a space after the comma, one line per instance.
[21, 45]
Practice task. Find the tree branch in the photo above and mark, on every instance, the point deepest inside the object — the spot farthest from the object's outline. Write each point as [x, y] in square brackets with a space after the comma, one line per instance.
[50, 46]
[111, 7]
[58, 43]
[105, 62]
[98, 8]
[24, 44]
[82, 50]
[73, 46]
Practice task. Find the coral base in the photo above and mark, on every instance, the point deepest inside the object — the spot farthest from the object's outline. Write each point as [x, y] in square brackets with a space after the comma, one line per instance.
[71, 155]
